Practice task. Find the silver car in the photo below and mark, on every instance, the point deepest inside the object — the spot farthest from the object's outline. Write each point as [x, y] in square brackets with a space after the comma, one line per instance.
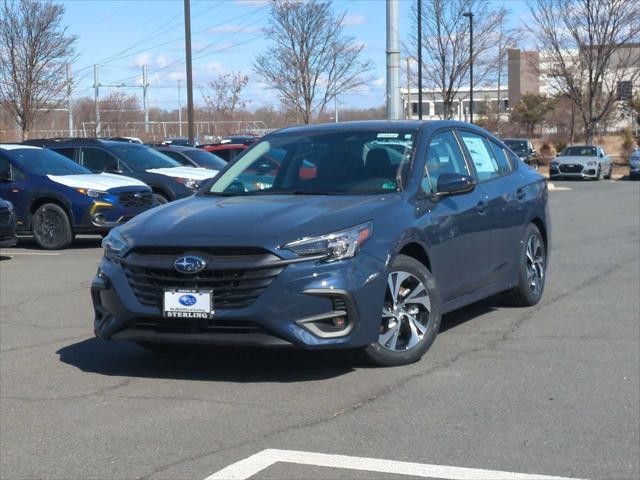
[582, 161]
[634, 164]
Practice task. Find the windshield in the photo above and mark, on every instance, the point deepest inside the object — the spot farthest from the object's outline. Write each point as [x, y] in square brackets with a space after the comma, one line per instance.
[39, 161]
[206, 159]
[579, 152]
[519, 147]
[143, 158]
[326, 163]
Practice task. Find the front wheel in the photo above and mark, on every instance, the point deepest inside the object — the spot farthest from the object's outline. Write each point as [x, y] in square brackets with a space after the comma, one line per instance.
[610, 173]
[51, 227]
[160, 198]
[410, 315]
[598, 173]
[532, 270]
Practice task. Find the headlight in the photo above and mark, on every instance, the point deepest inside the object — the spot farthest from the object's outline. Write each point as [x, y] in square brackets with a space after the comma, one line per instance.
[92, 193]
[114, 244]
[190, 183]
[554, 164]
[333, 246]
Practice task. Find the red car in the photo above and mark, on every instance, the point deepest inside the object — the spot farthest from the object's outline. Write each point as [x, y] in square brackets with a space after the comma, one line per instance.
[227, 151]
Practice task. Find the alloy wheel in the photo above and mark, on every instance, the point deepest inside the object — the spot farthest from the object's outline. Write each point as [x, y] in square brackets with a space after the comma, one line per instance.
[406, 312]
[535, 264]
[48, 226]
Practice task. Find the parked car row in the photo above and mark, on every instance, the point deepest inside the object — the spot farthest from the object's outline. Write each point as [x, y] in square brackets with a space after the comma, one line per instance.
[58, 188]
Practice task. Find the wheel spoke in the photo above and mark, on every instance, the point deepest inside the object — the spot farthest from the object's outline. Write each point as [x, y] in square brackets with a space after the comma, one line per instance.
[390, 338]
[414, 322]
[419, 295]
[395, 281]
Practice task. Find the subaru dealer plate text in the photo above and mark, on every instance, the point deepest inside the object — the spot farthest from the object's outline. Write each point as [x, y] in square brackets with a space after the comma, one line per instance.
[182, 303]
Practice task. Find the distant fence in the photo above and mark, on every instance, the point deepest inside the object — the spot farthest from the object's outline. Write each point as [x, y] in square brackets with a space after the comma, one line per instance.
[149, 131]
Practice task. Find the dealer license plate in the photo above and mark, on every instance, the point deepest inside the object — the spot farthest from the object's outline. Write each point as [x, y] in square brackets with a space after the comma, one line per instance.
[182, 303]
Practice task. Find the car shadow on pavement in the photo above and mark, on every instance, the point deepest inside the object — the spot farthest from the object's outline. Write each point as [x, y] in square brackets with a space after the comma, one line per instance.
[79, 243]
[201, 363]
[470, 312]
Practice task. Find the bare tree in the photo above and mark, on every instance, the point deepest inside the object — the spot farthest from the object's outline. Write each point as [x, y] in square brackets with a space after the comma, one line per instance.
[588, 45]
[530, 111]
[223, 95]
[445, 43]
[311, 60]
[34, 46]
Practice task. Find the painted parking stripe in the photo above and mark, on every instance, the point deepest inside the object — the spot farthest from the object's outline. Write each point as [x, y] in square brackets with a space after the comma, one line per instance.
[552, 187]
[254, 464]
[10, 254]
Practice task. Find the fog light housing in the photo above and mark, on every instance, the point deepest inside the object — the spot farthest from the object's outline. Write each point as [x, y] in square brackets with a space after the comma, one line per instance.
[99, 218]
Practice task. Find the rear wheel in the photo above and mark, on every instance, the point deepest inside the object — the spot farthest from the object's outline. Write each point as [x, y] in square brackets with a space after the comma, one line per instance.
[410, 315]
[51, 227]
[532, 273]
[160, 198]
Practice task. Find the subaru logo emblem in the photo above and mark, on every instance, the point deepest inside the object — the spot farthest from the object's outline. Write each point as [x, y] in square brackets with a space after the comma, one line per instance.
[187, 300]
[189, 264]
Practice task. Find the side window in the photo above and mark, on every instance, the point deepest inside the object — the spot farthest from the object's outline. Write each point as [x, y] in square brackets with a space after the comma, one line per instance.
[501, 158]
[98, 160]
[5, 169]
[481, 155]
[177, 157]
[224, 154]
[443, 156]
[67, 152]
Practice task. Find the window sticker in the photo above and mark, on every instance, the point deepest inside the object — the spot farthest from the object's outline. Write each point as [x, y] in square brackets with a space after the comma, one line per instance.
[481, 157]
[387, 135]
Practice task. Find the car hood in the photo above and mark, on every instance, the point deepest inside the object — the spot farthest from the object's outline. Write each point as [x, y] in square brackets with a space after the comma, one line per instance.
[252, 220]
[96, 181]
[194, 173]
[574, 159]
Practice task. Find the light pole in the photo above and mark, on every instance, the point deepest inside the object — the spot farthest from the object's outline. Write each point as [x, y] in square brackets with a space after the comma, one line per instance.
[187, 42]
[420, 59]
[469, 15]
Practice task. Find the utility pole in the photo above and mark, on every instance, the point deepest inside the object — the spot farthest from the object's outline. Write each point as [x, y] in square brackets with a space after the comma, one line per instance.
[96, 86]
[420, 59]
[393, 61]
[187, 45]
[145, 98]
[469, 15]
[408, 88]
[69, 102]
[335, 104]
[179, 111]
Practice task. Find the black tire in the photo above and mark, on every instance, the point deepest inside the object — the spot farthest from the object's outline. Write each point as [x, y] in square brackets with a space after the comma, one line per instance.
[381, 355]
[598, 173]
[160, 198]
[51, 227]
[524, 294]
[610, 174]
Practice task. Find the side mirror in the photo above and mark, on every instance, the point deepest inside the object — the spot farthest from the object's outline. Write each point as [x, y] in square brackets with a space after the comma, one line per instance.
[454, 183]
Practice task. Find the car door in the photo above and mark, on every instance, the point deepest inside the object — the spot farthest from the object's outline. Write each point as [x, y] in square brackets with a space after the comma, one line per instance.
[504, 196]
[13, 187]
[458, 230]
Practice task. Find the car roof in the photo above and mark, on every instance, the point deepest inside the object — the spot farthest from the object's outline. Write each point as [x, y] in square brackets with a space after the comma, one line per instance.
[227, 146]
[16, 146]
[380, 125]
[517, 139]
[177, 148]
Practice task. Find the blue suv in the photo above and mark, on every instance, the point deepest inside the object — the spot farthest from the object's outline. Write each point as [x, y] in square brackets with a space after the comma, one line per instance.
[55, 198]
[361, 235]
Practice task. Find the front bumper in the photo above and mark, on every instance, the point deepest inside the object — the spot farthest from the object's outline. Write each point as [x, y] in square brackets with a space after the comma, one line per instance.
[308, 305]
[582, 172]
[104, 215]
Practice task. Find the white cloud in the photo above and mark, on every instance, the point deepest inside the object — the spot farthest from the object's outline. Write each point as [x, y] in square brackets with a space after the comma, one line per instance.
[142, 59]
[354, 19]
[379, 82]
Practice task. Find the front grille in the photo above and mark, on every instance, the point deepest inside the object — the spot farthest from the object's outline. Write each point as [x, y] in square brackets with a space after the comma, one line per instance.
[5, 216]
[236, 281]
[136, 199]
[570, 168]
[182, 325]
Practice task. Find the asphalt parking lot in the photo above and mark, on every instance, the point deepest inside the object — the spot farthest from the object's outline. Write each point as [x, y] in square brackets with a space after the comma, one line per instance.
[549, 390]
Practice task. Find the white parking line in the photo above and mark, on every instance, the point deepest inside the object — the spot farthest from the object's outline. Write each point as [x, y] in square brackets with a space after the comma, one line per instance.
[552, 187]
[249, 466]
[10, 254]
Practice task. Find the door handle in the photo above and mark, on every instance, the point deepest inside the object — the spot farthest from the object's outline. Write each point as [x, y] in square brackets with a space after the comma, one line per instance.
[481, 207]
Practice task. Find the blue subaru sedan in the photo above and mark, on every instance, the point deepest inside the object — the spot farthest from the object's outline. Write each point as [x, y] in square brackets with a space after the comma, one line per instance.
[361, 236]
[55, 198]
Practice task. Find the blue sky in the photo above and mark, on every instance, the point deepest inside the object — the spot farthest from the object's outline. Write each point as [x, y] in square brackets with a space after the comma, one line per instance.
[122, 35]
